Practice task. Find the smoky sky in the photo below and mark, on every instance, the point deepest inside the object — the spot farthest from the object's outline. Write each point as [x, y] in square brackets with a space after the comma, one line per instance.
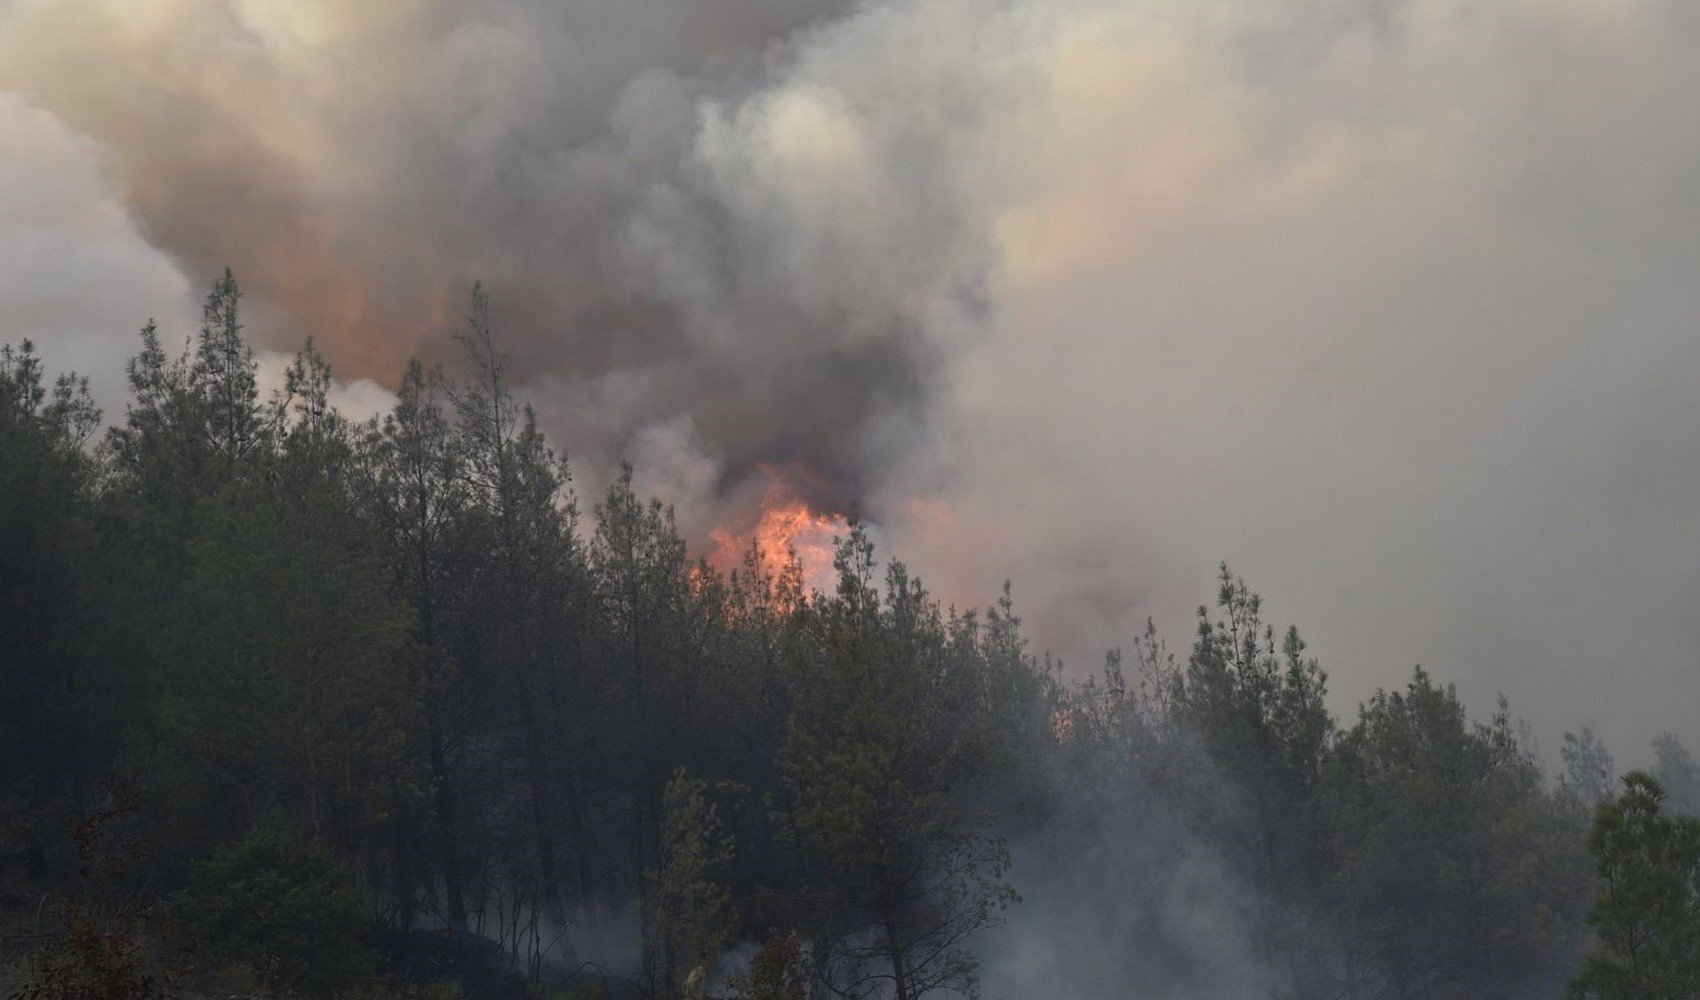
[1391, 304]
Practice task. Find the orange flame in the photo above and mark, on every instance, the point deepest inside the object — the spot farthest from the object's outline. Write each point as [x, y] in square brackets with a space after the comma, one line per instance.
[783, 523]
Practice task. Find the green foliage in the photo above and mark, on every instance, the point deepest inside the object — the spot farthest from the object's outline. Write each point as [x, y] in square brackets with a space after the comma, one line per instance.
[906, 879]
[1257, 708]
[48, 742]
[284, 906]
[1647, 912]
[399, 641]
[1446, 836]
[692, 912]
[280, 652]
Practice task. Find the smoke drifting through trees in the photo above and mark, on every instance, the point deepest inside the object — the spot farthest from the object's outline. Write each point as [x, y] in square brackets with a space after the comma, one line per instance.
[377, 674]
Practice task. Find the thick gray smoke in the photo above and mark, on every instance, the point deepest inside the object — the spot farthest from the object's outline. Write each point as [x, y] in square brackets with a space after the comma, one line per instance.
[1390, 303]
[1138, 906]
[360, 164]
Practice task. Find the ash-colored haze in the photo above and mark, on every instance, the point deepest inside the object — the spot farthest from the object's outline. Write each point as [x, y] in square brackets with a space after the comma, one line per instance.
[1392, 304]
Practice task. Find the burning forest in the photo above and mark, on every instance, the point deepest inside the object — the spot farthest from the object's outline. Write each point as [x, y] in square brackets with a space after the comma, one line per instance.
[784, 524]
[728, 500]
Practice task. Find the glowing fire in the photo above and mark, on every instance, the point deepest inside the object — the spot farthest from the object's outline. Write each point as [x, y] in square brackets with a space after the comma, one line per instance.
[783, 522]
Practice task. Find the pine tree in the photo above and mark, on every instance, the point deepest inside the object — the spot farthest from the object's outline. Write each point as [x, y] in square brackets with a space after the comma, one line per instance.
[49, 689]
[903, 877]
[1647, 912]
[412, 490]
[692, 918]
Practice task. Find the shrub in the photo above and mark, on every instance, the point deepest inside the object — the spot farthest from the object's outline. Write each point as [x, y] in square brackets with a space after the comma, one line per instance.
[283, 905]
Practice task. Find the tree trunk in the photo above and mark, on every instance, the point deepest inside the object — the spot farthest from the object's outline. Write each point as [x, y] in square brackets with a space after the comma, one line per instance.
[553, 907]
[581, 850]
[401, 827]
[450, 847]
[894, 948]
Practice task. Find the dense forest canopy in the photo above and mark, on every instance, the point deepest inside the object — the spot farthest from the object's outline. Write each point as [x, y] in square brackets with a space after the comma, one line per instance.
[297, 706]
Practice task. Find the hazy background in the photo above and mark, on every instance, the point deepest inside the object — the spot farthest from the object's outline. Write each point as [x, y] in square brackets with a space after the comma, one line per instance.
[1391, 304]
